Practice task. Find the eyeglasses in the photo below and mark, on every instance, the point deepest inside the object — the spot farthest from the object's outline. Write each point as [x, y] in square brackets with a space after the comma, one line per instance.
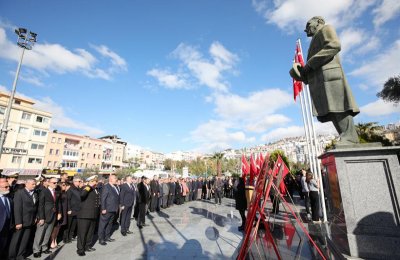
[53, 182]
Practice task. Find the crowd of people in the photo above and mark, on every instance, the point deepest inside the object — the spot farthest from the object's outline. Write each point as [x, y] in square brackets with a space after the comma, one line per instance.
[36, 214]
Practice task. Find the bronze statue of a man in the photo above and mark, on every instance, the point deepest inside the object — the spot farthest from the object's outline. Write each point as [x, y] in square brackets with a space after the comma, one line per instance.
[330, 92]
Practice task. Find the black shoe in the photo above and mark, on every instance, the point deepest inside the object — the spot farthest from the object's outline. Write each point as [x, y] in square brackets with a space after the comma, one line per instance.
[37, 255]
[129, 232]
[81, 253]
[90, 249]
[110, 239]
[140, 226]
[103, 243]
[48, 251]
[124, 234]
[241, 228]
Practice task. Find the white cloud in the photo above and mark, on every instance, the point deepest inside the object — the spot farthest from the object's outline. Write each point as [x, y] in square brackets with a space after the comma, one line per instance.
[253, 107]
[292, 15]
[55, 58]
[380, 108]
[386, 11]
[267, 122]
[168, 79]
[208, 73]
[350, 38]
[60, 119]
[293, 131]
[215, 136]
[379, 68]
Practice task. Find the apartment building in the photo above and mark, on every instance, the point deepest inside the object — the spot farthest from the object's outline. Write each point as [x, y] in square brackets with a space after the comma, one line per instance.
[26, 141]
[113, 153]
[73, 153]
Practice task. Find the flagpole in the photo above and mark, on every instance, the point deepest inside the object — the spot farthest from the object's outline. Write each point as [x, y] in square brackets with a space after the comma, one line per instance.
[315, 149]
[306, 129]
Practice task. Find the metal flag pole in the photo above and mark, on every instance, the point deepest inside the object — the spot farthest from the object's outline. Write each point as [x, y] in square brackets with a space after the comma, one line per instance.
[314, 147]
[306, 130]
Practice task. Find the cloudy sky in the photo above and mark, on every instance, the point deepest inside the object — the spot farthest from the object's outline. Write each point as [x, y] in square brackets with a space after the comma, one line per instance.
[190, 75]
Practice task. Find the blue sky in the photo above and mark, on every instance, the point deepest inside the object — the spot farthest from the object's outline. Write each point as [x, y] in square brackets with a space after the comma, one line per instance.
[190, 75]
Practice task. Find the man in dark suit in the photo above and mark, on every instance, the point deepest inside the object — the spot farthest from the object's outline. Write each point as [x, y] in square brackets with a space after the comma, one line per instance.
[165, 193]
[171, 195]
[25, 212]
[5, 217]
[127, 199]
[49, 211]
[109, 209]
[74, 205]
[87, 216]
[154, 193]
[144, 198]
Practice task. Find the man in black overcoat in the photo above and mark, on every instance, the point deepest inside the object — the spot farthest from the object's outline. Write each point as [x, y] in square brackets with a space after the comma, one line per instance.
[74, 205]
[87, 216]
[154, 193]
[171, 195]
[144, 198]
[25, 212]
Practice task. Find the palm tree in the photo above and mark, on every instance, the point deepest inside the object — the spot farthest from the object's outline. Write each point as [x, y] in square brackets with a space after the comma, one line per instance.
[218, 157]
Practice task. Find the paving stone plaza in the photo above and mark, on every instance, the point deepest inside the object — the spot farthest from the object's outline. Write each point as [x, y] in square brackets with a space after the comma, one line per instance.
[196, 230]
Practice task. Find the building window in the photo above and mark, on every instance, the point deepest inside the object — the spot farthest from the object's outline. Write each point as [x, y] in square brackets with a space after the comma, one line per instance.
[49, 164]
[51, 151]
[81, 165]
[84, 144]
[87, 156]
[34, 160]
[37, 146]
[59, 140]
[42, 119]
[53, 140]
[55, 164]
[98, 157]
[16, 159]
[94, 156]
[57, 151]
[2, 110]
[23, 130]
[38, 132]
[88, 145]
[26, 116]
[20, 145]
[18, 102]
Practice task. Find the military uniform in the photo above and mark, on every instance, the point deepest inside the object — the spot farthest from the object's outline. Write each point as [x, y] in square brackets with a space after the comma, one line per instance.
[87, 215]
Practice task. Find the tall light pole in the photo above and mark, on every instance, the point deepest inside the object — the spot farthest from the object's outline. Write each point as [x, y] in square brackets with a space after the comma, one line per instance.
[25, 41]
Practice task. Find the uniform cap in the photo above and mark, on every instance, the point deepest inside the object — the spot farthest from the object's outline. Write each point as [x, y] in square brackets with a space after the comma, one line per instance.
[91, 178]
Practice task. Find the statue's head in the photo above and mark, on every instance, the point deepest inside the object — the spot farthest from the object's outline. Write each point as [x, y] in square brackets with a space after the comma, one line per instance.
[313, 25]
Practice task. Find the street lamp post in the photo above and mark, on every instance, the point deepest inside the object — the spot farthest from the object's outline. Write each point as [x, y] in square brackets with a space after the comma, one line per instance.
[25, 41]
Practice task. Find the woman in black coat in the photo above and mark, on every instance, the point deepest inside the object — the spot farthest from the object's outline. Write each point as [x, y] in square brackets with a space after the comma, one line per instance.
[241, 202]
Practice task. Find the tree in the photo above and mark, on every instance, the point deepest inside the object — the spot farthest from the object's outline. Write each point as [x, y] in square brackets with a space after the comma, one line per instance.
[218, 158]
[391, 90]
[368, 133]
[274, 156]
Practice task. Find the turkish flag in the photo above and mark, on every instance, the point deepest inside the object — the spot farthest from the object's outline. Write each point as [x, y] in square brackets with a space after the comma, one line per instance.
[289, 230]
[253, 170]
[277, 166]
[245, 166]
[298, 58]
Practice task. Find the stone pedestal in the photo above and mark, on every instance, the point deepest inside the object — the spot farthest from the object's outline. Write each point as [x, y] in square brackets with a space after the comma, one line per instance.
[363, 192]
